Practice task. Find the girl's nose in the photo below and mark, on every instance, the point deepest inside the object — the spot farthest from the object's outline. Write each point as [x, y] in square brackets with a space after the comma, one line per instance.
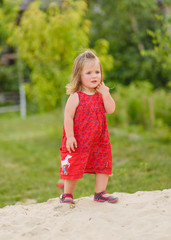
[93, 75]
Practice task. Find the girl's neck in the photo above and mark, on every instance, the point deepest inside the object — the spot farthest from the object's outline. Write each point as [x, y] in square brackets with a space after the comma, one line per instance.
[88, 91]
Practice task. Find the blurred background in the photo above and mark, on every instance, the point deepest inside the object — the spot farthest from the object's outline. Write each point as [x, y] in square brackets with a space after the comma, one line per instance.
[39, 41]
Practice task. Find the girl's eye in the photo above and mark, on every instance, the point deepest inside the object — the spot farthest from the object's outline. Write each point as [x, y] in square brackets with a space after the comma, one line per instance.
[89, 73]
[97, 72]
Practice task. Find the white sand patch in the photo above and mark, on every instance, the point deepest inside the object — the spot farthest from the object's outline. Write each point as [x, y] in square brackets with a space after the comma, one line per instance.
[138, 216]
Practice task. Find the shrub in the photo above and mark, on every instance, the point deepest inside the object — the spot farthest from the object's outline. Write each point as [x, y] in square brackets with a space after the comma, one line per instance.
[139, 104]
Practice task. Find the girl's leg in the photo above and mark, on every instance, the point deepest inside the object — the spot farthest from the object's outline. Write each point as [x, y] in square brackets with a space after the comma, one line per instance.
[101, 181]
[69, 186]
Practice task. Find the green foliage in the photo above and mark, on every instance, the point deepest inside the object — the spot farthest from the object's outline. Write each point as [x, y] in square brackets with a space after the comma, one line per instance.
[162, 107]
[8, 16]
[48, 41]
[139, 104]
[162, 46]
[102, 48]
[124, 24]
[8, 79]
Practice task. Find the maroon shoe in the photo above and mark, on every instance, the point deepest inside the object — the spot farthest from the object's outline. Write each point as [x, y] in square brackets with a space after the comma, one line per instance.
[63, 196]
[98, 197]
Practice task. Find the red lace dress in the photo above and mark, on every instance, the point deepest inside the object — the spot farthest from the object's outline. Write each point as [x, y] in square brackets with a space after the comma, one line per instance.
[93, 154]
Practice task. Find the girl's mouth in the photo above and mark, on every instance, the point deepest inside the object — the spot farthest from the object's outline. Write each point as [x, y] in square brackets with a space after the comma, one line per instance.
[94, 81]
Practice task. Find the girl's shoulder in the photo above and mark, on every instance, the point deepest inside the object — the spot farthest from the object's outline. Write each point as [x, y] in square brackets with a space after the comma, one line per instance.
[74, 95]
[73, 99]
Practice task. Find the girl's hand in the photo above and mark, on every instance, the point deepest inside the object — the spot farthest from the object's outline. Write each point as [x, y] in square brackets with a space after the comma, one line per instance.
[71, 144]
[103, 89]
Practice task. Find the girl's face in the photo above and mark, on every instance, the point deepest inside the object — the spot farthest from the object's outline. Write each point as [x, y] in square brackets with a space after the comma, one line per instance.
[91, 75]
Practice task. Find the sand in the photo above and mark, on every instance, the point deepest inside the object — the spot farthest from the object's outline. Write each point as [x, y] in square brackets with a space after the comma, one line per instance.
[142, 215]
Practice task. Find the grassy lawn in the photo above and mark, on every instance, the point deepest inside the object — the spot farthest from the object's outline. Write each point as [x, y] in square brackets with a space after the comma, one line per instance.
[30, 160]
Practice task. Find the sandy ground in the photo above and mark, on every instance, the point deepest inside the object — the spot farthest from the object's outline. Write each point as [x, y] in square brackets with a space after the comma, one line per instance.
[142, 215]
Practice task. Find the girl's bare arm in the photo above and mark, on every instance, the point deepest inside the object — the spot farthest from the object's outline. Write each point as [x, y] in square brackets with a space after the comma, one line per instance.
[109, 103]
[69, 113]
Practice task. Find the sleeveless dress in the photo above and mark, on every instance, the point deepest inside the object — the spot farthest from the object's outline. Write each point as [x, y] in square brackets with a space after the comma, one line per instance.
[93, 153]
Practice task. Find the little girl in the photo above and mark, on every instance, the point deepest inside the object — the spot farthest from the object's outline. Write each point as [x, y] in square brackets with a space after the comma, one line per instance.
[85, 143]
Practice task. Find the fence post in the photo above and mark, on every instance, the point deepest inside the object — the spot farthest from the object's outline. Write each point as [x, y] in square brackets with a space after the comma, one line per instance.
[21, 87]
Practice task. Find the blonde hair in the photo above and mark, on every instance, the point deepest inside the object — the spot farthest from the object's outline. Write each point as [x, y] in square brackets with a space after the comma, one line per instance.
[75, 83]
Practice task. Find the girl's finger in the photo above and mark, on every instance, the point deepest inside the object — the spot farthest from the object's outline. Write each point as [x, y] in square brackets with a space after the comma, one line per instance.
[72, 147]
[68, 148]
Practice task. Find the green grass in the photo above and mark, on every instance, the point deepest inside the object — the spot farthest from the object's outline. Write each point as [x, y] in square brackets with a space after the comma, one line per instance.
[30, 159]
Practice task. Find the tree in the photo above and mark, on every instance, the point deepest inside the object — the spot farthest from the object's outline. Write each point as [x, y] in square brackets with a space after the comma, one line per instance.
[48, 41]
[124, 24]
[8, 15]
[162, 47]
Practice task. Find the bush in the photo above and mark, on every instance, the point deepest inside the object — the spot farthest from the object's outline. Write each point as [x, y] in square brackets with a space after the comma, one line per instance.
[139, 104]
[8, 79]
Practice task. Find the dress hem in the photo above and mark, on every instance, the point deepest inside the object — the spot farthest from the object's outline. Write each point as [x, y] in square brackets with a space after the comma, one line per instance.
[70, 177]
